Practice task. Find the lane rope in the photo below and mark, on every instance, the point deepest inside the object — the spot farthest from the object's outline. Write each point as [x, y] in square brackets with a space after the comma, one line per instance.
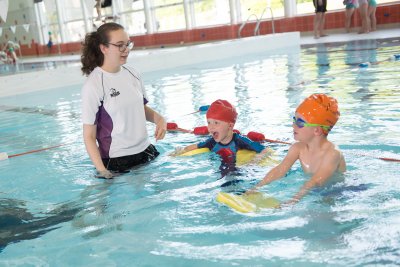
[4, 155]
[254, 136]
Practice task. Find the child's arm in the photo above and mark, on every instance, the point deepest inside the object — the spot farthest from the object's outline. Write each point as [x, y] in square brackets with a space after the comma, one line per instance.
[180, 150]
[281, 169]
[209, 143]
[328, 167]
[263, 154]
[245, 143]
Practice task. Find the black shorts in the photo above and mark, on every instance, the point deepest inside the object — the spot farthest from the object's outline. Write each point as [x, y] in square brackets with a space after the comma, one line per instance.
[124, 163]
[320, 8]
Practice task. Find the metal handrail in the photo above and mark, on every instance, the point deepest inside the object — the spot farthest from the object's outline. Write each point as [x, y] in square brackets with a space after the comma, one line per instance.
[257, 29]
[244, 24]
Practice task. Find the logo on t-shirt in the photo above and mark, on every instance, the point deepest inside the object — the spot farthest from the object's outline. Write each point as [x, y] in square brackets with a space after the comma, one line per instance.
[114, 92]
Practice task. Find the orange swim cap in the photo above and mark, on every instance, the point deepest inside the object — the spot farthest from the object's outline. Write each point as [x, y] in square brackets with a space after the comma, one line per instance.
[320, 109]
[222, 110]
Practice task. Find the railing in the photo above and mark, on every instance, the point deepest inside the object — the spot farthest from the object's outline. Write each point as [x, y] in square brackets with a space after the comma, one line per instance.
[244, 24]
[257, 28]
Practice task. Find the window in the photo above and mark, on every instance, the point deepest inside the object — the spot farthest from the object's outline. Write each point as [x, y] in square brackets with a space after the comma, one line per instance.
[72, 9]
[211, 12]
[75, 31]
[134, 22]
[169, 15]
[132, 16]
[253, 9]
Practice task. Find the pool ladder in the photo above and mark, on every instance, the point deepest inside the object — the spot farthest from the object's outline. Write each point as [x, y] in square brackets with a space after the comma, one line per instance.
[257, 28]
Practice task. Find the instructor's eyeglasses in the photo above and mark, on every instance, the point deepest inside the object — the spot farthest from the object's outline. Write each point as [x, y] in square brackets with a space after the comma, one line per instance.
[301, 123]
[123, 47]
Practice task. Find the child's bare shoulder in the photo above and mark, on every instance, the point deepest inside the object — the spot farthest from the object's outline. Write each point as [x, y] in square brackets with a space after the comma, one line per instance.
[298, 146]
[331, 148]
[333, 155]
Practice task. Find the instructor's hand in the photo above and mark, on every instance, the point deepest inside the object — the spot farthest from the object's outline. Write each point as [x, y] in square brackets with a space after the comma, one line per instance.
[161, 129]
[105, 174]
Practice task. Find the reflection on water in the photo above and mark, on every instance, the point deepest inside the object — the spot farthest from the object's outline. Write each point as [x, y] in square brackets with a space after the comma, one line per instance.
[17, 223]
[8, 69]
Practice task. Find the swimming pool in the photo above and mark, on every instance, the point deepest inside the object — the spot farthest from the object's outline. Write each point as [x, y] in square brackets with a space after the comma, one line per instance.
[53, 212]
[24, 67]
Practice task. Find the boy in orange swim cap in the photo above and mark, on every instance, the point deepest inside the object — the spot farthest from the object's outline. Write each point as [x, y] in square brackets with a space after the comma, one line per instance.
[221, 118]
[313, 120]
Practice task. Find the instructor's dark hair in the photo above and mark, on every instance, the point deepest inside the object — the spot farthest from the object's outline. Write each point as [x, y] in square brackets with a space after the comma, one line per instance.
[92, 56]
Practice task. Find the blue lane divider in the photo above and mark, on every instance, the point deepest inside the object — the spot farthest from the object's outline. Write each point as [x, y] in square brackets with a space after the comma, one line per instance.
[364, 65]
[395, 57]
[204, 108]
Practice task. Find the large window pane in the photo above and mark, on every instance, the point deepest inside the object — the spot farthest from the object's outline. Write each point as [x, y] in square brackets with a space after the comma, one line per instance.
[50, 12]
[72, 9]
[132, 16]
[211, 12]
[253, 9]
[307, 6]
[51, 15]
[131, 5]
[75, 31]
[169, 15]
[166, 2]
[134, 22]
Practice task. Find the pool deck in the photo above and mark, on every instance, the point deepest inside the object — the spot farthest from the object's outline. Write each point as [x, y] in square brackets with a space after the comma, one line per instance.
[346, 37]
[334, 37]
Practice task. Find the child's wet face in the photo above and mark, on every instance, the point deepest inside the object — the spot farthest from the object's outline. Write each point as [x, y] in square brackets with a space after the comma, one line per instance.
[221, 131]
[300, 133]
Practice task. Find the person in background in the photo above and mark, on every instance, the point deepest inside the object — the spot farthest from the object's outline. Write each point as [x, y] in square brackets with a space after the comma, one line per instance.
[313, 120]
[319, 19]
[114, 104]
[11, 46]
[363, 8]
[351, 5]
[50, 43]
[98, 9]
[3, 57]
[371, 14]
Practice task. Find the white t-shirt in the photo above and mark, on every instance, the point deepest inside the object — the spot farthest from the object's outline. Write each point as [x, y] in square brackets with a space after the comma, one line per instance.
[115, 103]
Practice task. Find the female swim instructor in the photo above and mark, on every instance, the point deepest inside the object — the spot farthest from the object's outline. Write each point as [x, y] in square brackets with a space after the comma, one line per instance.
[114, 104]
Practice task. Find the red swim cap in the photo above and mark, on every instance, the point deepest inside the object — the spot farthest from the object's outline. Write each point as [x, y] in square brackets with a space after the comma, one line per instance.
[320, 109]
[222, 110]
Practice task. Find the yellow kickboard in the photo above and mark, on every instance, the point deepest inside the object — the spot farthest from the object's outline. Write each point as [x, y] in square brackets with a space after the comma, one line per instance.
[243, 156]
[195, 152]
[247, 203]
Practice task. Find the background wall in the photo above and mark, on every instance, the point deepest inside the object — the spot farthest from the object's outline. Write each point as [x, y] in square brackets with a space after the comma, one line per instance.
[23, 13]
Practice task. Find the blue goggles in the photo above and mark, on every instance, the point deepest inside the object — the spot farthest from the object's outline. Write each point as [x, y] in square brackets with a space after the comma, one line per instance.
[301, 123]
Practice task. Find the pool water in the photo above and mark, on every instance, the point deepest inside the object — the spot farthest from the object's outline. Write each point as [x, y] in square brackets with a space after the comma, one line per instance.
[24, 67]
[53, 212]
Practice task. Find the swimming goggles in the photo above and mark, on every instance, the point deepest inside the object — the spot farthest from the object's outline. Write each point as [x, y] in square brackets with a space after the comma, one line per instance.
[123, 47]
[301, 123]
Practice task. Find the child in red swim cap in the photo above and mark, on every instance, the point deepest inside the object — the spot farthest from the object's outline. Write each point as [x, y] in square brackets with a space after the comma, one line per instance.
[313, 120]
[221, 118]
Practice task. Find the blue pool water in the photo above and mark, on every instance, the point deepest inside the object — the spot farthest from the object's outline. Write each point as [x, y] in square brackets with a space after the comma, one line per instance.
[53, 212]
[24, 67]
